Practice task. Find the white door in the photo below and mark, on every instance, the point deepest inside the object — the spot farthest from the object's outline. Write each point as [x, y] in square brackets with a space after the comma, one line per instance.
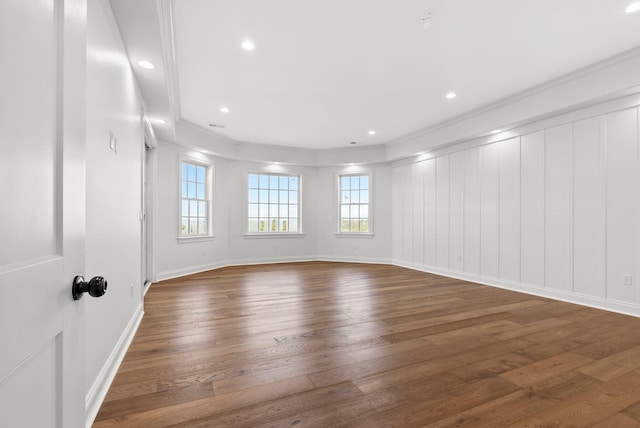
[42, 209]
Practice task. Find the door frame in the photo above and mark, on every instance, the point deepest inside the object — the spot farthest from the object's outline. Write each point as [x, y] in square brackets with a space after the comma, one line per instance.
[149, 198]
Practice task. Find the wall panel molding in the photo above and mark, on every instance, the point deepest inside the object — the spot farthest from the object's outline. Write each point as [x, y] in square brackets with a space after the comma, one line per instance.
[553, 212]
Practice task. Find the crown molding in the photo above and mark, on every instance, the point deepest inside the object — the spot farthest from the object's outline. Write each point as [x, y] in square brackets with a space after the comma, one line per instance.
[551, 84]
[600, 82]
[167, 36]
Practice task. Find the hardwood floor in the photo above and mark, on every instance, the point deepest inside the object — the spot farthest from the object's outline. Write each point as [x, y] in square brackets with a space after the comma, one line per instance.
[339, 344]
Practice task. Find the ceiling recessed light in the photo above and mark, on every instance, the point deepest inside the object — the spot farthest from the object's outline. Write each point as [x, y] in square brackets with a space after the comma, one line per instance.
[160, 121]
[248, 45]
[372, 132]
[633, 7]
[353, 142]
[224, 110]
[146, 64]
[451, 95]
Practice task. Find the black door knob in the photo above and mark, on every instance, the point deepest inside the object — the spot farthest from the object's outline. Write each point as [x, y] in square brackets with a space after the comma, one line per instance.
[96, 287]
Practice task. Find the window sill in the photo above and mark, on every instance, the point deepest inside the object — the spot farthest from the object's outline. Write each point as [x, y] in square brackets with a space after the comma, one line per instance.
[354, 235]
[273, 235]
[190, 239]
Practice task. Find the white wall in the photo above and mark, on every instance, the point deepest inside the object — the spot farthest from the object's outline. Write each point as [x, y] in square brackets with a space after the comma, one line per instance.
[331, 246]
[550, 208]
[232, 246]
[113, 234]
[174, 257]
[264, 249]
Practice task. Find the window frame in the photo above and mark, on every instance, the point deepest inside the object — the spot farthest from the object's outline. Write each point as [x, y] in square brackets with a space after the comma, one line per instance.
[209, 193]
[338, 186]
[270, 234]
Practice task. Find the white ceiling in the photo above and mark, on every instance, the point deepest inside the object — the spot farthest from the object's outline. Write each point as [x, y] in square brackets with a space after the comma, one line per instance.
[324, 73]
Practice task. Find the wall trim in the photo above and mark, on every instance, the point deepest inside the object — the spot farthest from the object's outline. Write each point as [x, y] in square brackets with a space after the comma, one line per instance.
[98, 391]
[574, 115]
[163, 276]
[511, 99]
[565, 296]
[170, 274]
[271, 260]
[600, 82]
[167, 39]
[367, 260]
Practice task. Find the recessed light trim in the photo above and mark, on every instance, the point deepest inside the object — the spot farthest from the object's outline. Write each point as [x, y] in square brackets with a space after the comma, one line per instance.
[146, 64]
[633, 7]
[451, 95]
[248, 45]
[224, 110]
[372, 132]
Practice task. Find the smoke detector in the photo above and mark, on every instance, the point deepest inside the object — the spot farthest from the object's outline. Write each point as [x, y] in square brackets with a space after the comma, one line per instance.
[427, 19]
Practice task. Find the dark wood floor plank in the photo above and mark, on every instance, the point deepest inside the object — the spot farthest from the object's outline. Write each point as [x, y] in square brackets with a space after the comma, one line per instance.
[618, 420]
[202, 408]
[427, 409]
[590, 407]
[541, 370]
[285, 407]
[155, 400]
[445, 327]
[633, 411]
[614, 365]
[319, 344]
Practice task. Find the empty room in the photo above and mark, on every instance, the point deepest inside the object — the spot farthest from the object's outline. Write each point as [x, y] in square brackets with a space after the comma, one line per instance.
[287, 213]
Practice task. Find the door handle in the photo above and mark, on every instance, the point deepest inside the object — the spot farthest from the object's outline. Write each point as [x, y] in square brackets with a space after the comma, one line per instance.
[96, 287]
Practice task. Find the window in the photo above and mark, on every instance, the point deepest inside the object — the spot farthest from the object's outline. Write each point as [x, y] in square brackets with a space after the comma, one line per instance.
[354, 203]
[195, 198]
[274, 203]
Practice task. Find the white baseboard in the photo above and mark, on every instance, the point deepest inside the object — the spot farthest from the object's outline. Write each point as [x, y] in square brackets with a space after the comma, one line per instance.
[271, 260]
[162, 276]
[565, 296]
[369, 260]
[263, 261]
[100, 387]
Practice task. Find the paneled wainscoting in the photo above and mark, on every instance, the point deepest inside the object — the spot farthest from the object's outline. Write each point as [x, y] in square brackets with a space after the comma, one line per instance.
[338, 344]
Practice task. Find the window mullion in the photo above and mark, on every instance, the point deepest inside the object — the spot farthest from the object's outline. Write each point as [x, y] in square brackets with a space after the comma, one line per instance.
[272, 195]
